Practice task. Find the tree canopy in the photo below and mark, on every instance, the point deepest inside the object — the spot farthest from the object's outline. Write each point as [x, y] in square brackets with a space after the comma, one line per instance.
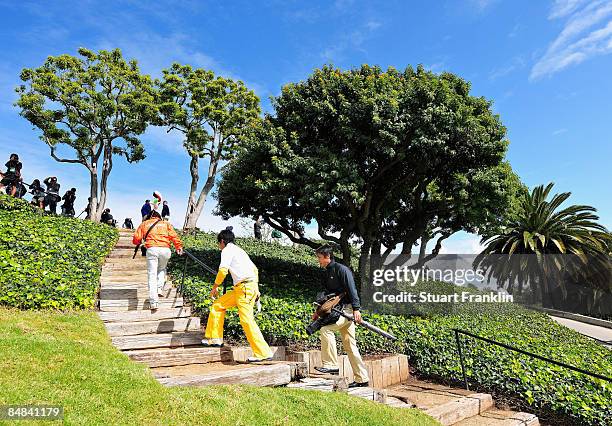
[98, 104]
[212, 113]
[387, 157]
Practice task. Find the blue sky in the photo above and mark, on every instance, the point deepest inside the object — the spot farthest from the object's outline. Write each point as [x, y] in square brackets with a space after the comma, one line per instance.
[545, 65]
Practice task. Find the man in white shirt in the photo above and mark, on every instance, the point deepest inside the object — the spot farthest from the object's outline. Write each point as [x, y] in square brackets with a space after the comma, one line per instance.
[243, 295]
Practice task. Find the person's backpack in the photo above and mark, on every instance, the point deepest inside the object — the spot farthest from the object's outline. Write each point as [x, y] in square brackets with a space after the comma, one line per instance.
[141, 246]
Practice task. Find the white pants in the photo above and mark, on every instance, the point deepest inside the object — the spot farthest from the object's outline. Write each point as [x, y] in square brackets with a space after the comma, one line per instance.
[157, 259]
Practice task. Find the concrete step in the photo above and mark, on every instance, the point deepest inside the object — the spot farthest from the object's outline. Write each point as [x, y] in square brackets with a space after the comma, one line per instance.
[496, 417]
[446, 405]
[134, 304]
[153, 327]
[217, 373]
[169, 357]
[145, 315]
[162, 340]
[134, 291]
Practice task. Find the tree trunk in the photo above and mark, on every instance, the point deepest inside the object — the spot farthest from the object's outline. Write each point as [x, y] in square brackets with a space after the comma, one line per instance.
[364, 267]
[93, 194]
[195, 177]
[195, 208]
[423, 247]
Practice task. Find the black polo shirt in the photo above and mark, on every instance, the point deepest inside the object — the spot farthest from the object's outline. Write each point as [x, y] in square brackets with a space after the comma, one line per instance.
[338, 278]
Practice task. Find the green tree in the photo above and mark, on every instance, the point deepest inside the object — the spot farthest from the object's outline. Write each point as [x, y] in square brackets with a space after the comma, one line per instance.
[386, 157]
[98, 104]
[213, 114]
[546, 247]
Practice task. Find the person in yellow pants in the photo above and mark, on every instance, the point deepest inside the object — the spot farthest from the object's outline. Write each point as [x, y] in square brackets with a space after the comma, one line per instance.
[243, 295]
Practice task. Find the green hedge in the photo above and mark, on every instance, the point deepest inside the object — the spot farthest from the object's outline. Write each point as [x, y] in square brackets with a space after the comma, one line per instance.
[49, 261]
[290, 278]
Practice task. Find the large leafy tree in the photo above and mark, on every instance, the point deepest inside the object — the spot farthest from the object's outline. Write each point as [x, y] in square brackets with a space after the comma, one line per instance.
[213, 114]
[548, 248]
[95, 103]
[387, 157]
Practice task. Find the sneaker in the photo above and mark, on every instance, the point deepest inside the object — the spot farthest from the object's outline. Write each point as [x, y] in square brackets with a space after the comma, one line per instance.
[160, 292]
[255, 359]
[327, 370]
[212, 343]
[154, 306]
[358, 385]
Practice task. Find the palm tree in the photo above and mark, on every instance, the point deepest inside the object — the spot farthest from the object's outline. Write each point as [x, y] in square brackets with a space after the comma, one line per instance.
[545, 248]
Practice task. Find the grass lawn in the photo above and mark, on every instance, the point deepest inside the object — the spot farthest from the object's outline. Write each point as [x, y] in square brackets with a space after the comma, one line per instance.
[66, 359]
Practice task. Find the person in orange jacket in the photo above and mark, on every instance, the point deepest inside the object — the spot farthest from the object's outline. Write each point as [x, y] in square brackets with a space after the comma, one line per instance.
[160, 235]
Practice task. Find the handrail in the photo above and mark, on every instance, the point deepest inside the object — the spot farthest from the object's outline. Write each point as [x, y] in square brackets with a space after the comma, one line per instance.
[524, 352]
[207, 268]
[202, 264]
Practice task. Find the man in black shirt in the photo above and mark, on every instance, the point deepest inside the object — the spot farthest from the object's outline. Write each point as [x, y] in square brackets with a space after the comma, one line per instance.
[12, 177]
[338, 279]
[165, 211]
[52, 197]
[69, 199]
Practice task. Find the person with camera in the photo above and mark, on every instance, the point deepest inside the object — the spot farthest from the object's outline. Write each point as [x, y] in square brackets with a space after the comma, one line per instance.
[12, 177]
[338, 279]
[52, 197]
[243, 295]
[38, 194]
[69, 199]
[157, 236]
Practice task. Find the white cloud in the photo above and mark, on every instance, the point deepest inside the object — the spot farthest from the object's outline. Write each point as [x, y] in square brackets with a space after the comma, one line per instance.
[559, 131]
[586, 33]
[563, 8]
[515, 64]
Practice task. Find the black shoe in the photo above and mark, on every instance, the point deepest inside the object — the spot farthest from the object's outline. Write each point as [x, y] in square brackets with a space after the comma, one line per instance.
[211, 345]
[358, 385]
[327, 370]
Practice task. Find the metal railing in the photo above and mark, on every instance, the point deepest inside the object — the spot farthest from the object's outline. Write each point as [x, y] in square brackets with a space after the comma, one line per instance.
[188, 255]
[512, 348]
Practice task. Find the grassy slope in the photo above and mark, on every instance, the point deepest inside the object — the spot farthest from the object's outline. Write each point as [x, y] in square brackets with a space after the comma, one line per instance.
[66, 358]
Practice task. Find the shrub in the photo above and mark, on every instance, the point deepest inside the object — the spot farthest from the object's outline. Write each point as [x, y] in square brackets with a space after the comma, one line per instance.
[49, 261]
[290, 278]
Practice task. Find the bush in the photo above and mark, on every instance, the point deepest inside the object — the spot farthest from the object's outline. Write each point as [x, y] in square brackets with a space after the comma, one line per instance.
[290, 278]
[49, 261]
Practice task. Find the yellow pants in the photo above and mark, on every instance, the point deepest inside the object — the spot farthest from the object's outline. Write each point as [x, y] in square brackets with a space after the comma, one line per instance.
[329, 354]
[243, 296]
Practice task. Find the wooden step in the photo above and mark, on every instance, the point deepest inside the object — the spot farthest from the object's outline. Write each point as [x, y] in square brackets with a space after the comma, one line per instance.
[222, 373]
[495, 417]
[134, 291]
[446, 405]
[163, 340]
[153, 327]
[116, 279]
[168, 357]
[134, 304]
[145, 315]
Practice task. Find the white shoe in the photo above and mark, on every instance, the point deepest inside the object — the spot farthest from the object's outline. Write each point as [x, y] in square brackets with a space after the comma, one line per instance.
[255, 359]
[154, 306]
[160, 292]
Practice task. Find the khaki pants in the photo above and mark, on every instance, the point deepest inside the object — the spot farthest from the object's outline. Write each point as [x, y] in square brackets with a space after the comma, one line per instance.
[329, 354]
[243, 297]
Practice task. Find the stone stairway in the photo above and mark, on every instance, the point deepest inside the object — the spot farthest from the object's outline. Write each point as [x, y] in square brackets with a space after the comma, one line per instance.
[169, 342]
